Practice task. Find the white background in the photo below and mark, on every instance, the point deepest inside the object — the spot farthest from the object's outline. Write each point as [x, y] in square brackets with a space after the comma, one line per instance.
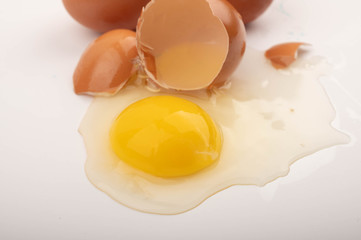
[44, 193]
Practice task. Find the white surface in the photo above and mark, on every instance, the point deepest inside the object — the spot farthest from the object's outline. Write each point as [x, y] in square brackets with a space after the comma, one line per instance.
[46, 195]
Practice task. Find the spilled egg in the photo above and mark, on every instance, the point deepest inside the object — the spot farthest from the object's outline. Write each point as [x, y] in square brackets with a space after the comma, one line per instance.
[248, 133]
[185, 120]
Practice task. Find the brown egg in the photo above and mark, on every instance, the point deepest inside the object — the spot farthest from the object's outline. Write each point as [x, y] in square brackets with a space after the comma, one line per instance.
[190, 44]
[105, 15]
[250, 9]
[282, 55]
[107, 63]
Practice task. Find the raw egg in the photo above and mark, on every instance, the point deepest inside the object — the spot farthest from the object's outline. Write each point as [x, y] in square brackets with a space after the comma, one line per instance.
[105, 15]
[250, 9]
[107, 63]
[190, 44]
[166, 153]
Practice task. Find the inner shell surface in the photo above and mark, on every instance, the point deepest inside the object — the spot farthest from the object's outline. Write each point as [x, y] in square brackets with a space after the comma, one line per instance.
[182, 44]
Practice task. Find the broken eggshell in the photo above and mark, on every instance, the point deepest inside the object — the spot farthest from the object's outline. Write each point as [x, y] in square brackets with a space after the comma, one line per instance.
[107, 64]
[284, 54]
[190, 44]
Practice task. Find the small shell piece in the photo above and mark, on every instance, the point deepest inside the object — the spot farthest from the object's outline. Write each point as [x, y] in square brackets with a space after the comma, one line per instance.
[107, 64]
[282, 55]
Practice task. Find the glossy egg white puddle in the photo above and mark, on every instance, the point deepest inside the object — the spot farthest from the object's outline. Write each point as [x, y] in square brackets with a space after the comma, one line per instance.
[269, 119]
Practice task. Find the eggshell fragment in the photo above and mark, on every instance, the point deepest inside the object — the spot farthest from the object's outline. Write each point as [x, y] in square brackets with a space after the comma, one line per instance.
[105, 15]
[282, 55]
[107, 64]
[190, 44]
[250, 9]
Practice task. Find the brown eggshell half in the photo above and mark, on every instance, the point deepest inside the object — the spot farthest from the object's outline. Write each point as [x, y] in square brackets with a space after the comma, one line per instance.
[282, 55]
[237, 38]
[167, 24]
[107, 64]
[105, 15]
[250, 9]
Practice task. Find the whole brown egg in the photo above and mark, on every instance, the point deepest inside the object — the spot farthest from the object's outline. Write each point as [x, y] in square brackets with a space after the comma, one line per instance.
[105, 15]
[250, 9]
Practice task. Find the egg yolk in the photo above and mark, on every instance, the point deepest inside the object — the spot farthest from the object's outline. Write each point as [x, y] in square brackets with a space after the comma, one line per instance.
[166, 136]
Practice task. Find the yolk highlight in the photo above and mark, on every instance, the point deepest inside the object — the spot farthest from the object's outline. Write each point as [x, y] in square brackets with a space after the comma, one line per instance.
[166, 136]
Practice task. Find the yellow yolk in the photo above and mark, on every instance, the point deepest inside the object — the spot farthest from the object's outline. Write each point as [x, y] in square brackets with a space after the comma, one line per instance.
[166, 136]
